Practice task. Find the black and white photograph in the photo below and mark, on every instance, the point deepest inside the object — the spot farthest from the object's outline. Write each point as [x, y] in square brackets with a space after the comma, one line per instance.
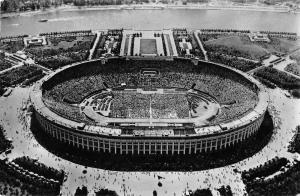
[149, 97]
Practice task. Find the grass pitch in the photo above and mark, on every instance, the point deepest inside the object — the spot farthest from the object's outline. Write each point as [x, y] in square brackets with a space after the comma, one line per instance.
[148, 46]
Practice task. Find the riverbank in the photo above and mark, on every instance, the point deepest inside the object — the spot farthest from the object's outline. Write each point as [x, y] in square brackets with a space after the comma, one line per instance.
[156, 6]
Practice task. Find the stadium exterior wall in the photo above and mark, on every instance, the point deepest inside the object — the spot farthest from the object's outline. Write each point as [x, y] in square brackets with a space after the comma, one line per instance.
[148, 145]
[110, 140]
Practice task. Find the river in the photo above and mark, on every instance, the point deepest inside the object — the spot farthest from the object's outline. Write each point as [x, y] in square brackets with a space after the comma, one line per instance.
[61, 20]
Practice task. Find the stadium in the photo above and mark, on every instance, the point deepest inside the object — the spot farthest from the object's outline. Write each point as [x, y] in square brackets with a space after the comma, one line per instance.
[145, 106]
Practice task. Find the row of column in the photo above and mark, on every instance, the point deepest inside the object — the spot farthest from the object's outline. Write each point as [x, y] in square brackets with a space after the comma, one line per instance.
[121, 145]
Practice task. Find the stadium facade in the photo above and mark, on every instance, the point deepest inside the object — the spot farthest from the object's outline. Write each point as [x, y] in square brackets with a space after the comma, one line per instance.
[149, 136]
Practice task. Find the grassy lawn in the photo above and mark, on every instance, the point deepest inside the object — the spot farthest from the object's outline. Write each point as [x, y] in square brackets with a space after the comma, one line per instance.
[281, 45]
[148, 46]
[237, 46]
[293, 68]
[296, 56]
[243, 47]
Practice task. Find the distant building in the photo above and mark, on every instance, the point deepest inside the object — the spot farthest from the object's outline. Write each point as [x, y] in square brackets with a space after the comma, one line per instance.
[258, 37]
[35, 41]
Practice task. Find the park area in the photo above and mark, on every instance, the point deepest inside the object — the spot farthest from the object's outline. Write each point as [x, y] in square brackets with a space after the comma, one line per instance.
[12, 45]
[61, 51]
[241, 46]
[294, 67]
[148, 46]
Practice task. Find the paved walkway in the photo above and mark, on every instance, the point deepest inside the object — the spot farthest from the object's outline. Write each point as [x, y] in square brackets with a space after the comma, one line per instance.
[95, 45]
[200, 44]
[45, 69]
[11, 68]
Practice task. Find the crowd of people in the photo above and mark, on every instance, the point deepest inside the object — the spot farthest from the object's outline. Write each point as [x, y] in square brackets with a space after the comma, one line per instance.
[130, 105]
[136, 105]
[67, 111]
[73, 85]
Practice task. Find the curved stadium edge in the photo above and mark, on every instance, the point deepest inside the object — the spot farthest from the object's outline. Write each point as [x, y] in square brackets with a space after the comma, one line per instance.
[110, 139]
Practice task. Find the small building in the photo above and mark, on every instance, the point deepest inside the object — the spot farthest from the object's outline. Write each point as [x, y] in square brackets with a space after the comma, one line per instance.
[35, 41]
[259, 37]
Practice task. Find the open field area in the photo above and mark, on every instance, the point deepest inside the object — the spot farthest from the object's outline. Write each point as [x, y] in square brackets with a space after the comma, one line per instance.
[148, 46]
[293, 68]
[241, 46]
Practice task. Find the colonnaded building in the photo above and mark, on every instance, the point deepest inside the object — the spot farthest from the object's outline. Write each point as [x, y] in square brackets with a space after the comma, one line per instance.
[153, 102]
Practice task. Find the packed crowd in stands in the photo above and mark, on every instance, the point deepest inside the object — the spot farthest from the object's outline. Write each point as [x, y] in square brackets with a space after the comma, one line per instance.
[67, 111]
[74, 84]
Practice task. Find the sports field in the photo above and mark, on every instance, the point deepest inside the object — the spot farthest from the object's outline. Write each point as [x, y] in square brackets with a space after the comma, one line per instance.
[158, 106]
[148, 46]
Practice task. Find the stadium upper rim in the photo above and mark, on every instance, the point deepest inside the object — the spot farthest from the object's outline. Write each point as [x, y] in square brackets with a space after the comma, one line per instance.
[258, 111]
